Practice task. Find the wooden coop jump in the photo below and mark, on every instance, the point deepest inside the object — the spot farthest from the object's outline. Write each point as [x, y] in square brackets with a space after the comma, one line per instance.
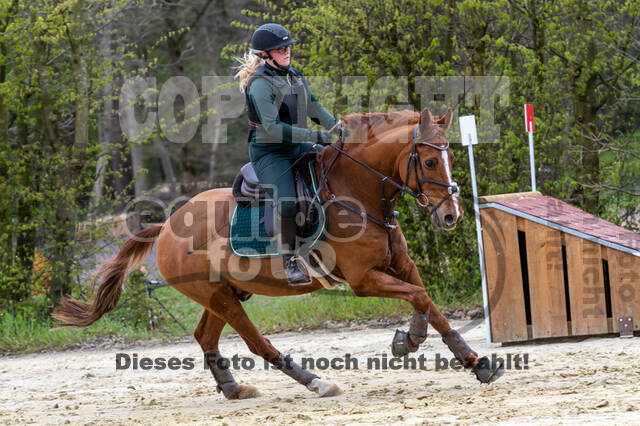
[553, 270]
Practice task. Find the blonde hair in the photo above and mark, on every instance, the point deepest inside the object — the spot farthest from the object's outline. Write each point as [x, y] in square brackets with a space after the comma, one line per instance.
[248, 64]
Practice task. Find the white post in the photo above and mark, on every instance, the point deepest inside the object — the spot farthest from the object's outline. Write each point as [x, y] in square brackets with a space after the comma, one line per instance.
[528, 126]
[469, 137]
[532, 162]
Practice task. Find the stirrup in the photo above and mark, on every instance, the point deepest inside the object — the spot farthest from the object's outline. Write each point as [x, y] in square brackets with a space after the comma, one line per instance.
[306, 280]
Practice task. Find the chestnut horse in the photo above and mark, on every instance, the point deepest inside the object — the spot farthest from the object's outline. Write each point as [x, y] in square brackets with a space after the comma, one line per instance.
[384, 156]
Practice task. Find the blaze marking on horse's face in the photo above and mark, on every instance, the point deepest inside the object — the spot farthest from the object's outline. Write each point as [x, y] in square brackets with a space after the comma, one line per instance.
[447, 168]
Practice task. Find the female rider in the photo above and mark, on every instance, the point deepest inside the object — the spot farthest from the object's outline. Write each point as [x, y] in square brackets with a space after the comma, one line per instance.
[279, 101]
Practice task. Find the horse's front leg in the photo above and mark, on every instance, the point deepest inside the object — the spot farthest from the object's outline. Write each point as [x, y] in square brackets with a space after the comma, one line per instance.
[376, 283]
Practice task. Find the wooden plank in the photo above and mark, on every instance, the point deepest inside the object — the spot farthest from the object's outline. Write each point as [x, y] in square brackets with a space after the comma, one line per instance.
[586, 287]
[504, 277]
[546, 281]
[483, 199]
[624, 280]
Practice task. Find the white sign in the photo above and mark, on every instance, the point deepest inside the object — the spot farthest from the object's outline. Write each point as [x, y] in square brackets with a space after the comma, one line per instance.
[468, 132]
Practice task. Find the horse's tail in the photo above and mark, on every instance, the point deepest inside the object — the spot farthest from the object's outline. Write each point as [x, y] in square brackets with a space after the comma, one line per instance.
[74, 313]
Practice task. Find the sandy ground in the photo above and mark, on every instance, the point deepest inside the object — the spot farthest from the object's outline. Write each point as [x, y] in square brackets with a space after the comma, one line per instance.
[595, 380]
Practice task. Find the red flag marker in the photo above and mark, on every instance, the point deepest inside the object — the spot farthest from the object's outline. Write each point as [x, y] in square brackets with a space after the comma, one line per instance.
[528, 117]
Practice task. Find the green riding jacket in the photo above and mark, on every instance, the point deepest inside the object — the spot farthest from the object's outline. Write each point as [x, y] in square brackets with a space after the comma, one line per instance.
[278, 106]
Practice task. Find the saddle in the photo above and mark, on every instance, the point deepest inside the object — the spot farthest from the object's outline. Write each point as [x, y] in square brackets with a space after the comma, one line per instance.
[253, 222]
[248, 192]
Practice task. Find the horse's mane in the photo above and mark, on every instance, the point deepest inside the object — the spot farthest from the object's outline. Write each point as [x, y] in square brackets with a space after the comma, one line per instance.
[368, 126]
[376, 121]
[376, 117]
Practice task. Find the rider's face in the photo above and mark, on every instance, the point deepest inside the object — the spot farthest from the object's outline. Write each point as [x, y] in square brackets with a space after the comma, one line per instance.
[282, 55]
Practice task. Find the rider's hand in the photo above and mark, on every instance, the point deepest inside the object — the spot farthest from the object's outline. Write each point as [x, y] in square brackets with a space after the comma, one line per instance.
[324, 137]
[341, 131]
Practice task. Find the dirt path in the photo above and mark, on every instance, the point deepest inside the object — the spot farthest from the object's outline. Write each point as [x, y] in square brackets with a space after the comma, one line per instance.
[593, 381]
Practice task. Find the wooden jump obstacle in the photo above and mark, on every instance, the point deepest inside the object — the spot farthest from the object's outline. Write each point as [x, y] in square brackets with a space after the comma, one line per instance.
[553, 270]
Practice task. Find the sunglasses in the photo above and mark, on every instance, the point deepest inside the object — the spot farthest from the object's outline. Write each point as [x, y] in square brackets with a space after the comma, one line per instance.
[283, 49]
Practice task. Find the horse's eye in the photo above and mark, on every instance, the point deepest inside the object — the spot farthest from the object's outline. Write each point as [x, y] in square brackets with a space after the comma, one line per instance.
[430, 163]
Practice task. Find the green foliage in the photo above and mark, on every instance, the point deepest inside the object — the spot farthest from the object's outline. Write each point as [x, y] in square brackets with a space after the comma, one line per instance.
[51, 80]
[447, 278]
[134, 305]
[23, 331]
[313, 310]
[620, 167]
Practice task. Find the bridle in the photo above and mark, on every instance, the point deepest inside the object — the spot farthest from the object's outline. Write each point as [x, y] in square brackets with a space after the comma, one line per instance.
[389, 222]
[452, 189]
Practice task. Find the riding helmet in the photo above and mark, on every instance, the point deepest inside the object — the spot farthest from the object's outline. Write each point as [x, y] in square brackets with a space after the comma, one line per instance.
[271, 36]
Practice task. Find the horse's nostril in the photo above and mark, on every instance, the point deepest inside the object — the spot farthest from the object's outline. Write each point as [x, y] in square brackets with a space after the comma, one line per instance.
[448, 219]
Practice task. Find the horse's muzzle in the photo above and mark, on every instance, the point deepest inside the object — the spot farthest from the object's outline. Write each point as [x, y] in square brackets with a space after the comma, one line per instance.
[444, 220]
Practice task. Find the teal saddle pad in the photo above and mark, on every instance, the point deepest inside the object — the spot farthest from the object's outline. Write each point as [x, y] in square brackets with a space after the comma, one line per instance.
[247, 235]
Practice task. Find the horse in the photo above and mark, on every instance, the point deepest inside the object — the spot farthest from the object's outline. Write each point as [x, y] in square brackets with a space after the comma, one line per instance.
[384, 156]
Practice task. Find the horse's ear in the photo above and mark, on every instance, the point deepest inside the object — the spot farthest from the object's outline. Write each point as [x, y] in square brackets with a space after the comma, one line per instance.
[445, 120]
[426, 120]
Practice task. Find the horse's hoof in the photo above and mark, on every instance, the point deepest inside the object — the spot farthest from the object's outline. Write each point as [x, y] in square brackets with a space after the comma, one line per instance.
[324, 389]
[487, 372]
[334, 390]
[246, 392]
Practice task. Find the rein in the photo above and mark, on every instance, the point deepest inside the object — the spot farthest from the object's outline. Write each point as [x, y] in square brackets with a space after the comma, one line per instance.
[389, 222]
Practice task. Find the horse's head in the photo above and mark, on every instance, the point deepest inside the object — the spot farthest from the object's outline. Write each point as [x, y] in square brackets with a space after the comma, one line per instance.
[426, 167]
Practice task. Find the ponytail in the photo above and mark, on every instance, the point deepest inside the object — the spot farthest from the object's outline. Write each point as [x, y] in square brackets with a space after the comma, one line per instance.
[248, 64]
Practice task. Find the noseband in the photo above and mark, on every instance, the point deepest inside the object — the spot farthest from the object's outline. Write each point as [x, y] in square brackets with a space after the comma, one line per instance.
[413, 163]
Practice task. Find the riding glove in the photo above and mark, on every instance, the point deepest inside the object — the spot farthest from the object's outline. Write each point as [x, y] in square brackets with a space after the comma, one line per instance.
[341, 131]
[324, 137]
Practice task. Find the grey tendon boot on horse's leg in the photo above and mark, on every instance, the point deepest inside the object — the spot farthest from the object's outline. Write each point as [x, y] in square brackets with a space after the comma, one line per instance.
[221, 369]
[304, 377]
[404, 342]
[485, 370]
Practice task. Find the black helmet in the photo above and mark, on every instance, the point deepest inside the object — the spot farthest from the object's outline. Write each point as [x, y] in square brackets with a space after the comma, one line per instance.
[271, 36]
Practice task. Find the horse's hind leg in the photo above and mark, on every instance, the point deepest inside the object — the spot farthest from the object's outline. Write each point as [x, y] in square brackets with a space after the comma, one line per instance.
[208, 335]
[227, 306]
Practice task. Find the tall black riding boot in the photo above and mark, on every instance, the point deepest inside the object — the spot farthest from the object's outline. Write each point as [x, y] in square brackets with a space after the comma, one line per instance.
[294, 275]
